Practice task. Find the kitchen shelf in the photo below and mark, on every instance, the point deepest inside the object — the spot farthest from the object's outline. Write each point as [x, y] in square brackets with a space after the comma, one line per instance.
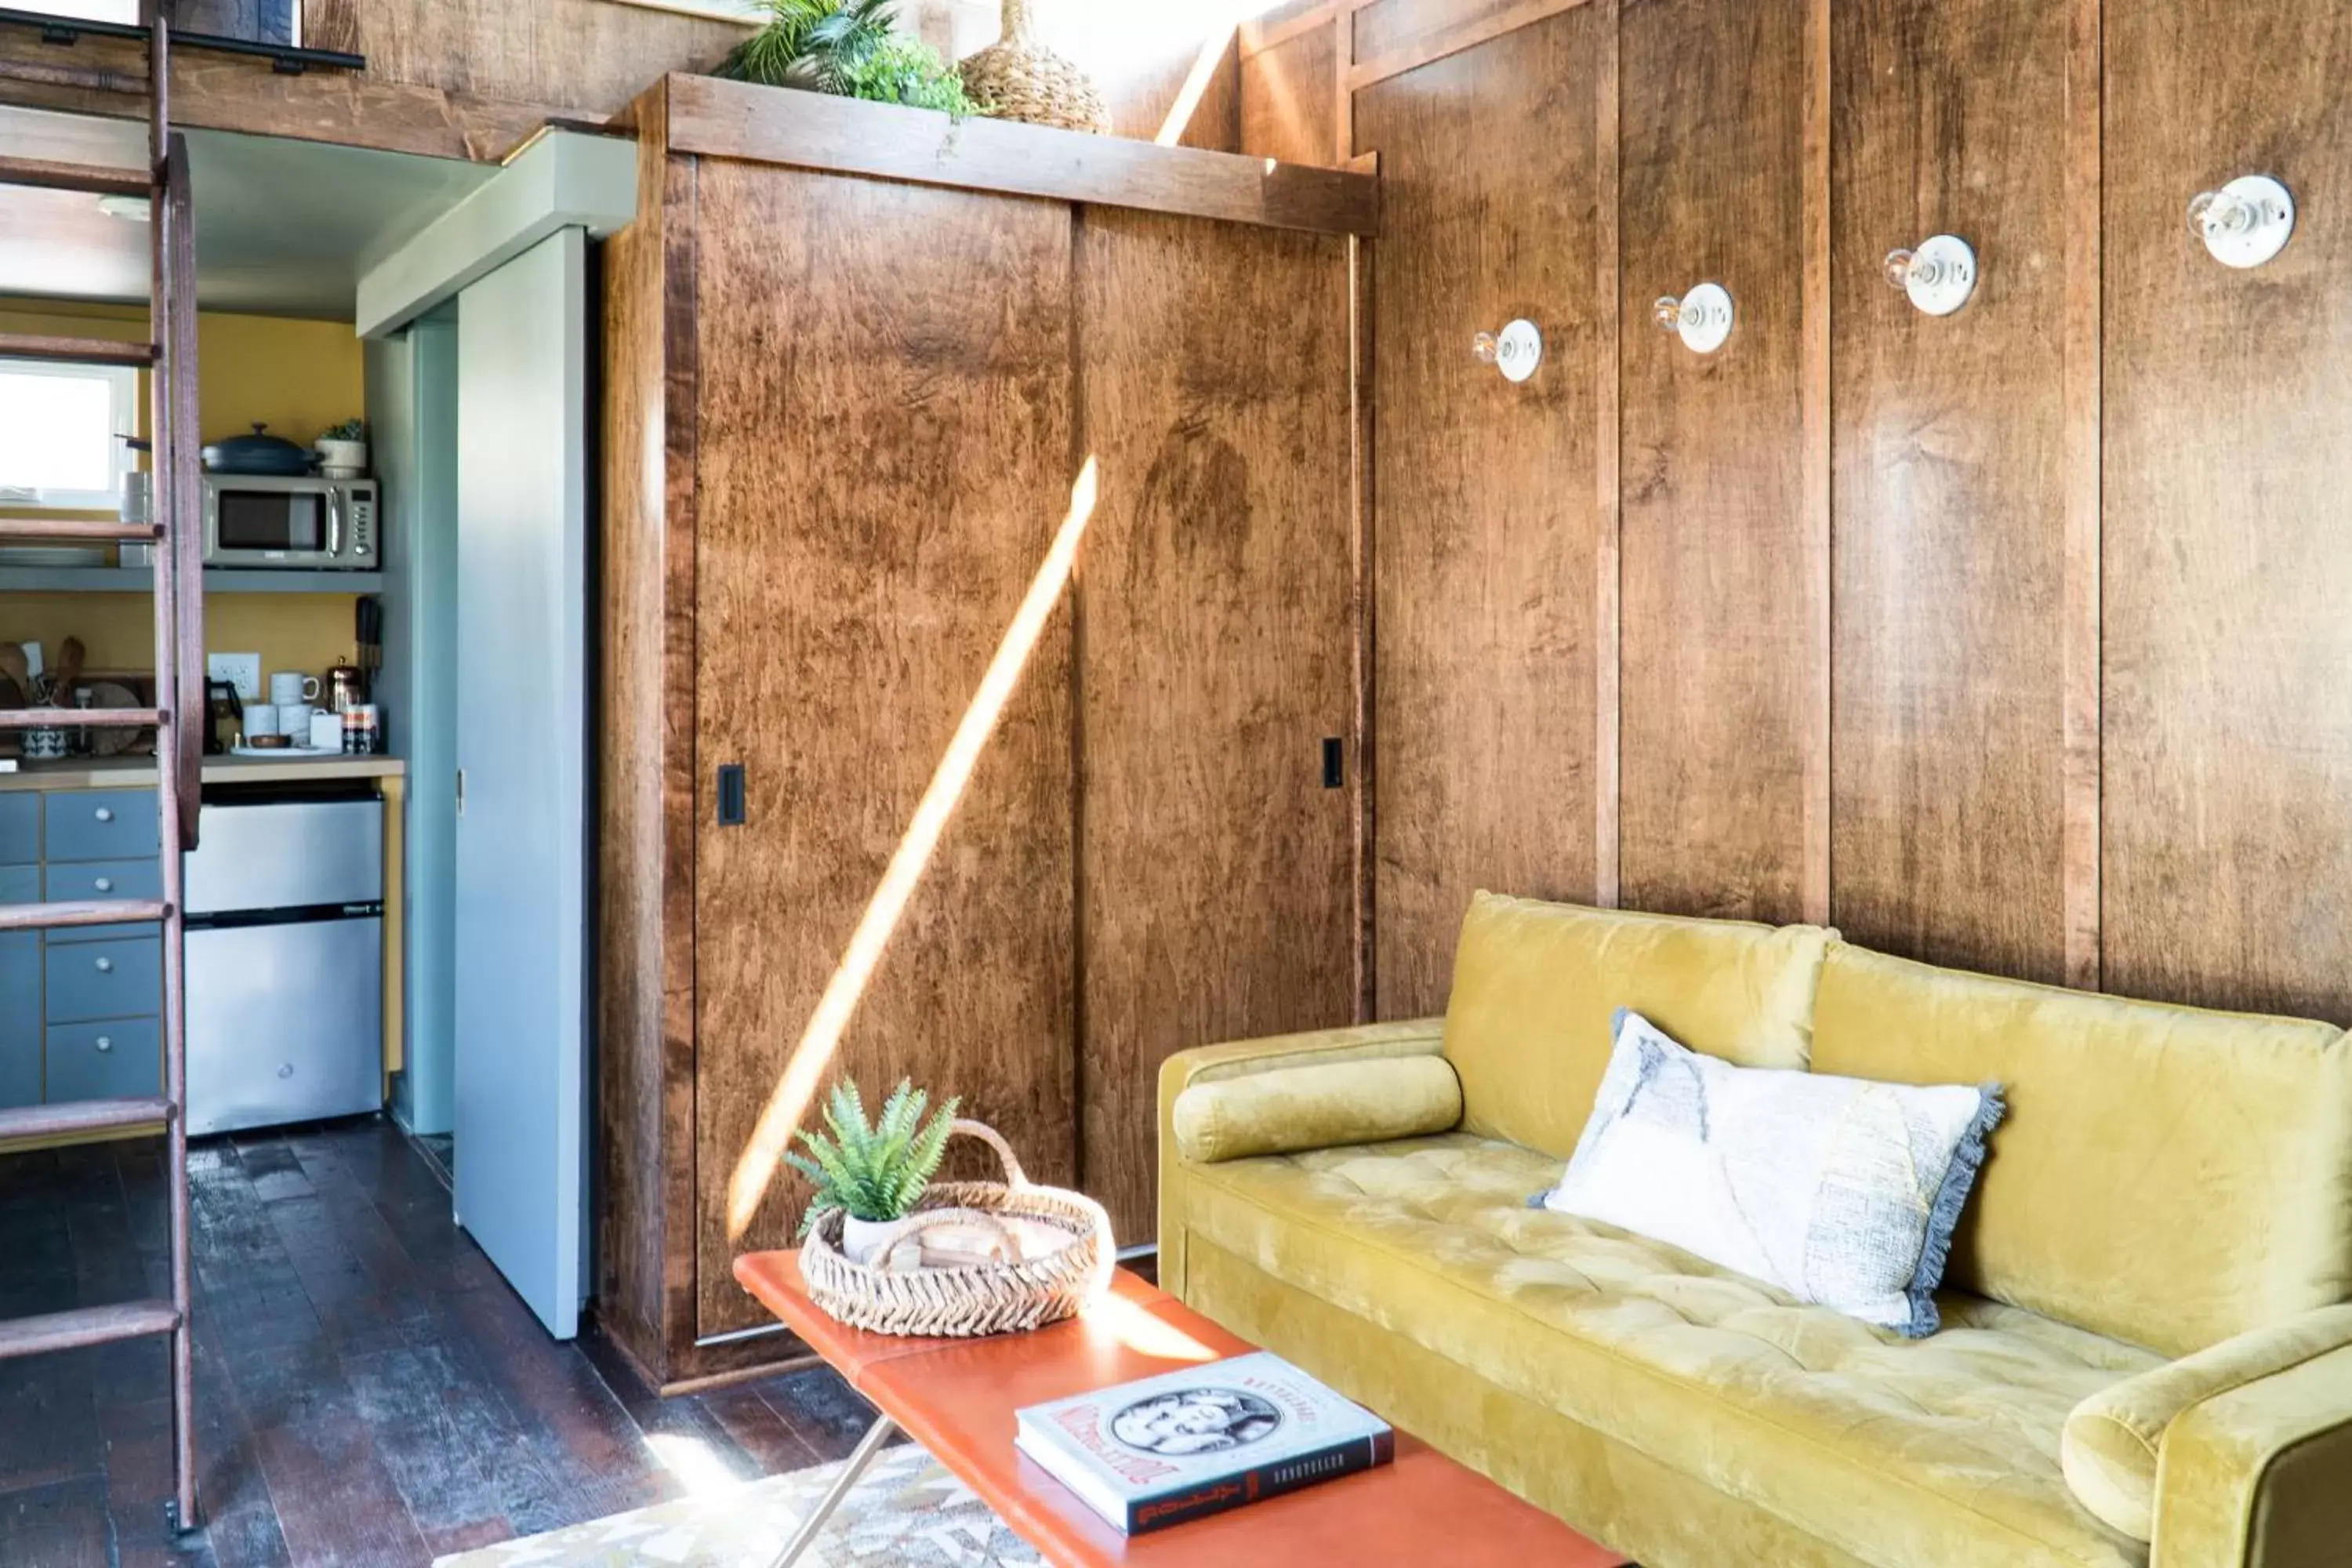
[118, 580]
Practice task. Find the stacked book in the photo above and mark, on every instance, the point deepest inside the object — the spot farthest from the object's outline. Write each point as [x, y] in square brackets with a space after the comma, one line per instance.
[1199, 1441]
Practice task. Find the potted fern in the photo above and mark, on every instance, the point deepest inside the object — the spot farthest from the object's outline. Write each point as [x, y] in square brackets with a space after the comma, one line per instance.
[874, 1172]
[852, 48]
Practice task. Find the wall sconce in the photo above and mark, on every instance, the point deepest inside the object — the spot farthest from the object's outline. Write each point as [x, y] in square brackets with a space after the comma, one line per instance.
[1702, 318]
[1516, 349]
[1940, 276]
[2246, 222]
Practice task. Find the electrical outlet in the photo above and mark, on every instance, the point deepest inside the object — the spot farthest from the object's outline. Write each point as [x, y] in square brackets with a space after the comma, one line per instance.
[244, 668]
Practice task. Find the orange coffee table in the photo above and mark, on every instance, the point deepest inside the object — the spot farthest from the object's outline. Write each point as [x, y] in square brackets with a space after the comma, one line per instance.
[958, 1398]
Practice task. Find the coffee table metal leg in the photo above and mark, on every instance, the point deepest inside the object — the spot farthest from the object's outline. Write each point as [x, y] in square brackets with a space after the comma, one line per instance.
[851, 1469]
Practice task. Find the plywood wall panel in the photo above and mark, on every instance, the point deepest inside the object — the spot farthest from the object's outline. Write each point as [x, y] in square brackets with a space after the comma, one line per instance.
[1950, 116]
[644, 792]
[589, 56]
[1720, 585]
[1485, 536]
[1288, 102]
[2228, 412]
[1217, 870]
[885, 460]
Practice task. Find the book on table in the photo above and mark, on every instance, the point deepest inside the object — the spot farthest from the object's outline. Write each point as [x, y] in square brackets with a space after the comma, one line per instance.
[1198, 1441]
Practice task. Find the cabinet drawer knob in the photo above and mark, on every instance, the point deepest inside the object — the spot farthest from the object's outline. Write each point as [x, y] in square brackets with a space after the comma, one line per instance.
[105, 884]
[106, 966]
[106, 1042]
[106, 814]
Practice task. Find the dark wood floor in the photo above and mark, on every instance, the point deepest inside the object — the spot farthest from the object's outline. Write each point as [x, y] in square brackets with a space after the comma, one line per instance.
[369, 1391]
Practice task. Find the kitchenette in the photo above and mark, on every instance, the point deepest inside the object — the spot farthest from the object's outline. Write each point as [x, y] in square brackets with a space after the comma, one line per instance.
[293, 893]
[387, 901]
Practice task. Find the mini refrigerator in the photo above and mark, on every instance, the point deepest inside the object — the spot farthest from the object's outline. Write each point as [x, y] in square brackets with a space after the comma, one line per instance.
[284, 972]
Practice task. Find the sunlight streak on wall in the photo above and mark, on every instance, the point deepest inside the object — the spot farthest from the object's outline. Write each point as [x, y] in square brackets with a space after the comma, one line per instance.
[810, 1058]
[1196, 83]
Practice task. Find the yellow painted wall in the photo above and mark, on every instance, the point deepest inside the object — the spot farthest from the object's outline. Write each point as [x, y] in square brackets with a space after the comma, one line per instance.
[298, 377]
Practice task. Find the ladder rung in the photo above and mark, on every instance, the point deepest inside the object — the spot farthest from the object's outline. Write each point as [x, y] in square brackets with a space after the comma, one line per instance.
[75, 350]
[97, 529]
[95, 913]
[82, 1116]
[86, 1326]
[93, 178]
[80, 718]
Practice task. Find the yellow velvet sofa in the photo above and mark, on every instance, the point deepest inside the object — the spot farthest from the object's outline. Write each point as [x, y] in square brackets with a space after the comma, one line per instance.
[2146, 1355]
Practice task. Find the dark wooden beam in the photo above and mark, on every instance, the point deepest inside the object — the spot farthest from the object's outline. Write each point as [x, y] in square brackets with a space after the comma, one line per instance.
[108, 77]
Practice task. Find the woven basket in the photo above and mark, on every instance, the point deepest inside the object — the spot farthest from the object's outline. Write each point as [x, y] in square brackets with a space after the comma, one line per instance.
[991, 1298]
[1021, 78]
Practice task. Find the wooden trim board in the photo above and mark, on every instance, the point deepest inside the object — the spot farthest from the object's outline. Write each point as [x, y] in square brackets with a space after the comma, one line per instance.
[1816, 522]
[2083, 583]
[811, 130]
[1358, 75]
[1608, 584]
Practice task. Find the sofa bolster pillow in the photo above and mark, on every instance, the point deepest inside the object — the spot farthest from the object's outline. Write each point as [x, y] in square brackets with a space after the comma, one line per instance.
[2112, 1439]
[1322, 1106]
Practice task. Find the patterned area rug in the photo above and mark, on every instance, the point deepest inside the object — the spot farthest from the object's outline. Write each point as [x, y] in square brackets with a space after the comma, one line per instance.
[907, 1510]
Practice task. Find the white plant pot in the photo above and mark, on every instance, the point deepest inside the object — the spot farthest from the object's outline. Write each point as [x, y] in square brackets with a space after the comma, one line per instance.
[865, 1240]
[343, 459]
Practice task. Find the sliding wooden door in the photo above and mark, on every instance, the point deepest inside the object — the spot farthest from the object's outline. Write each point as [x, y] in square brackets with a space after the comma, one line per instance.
[1216, 735]
[884, 460]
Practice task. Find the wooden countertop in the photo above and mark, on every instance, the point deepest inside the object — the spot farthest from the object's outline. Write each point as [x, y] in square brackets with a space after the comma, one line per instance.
[130, 773]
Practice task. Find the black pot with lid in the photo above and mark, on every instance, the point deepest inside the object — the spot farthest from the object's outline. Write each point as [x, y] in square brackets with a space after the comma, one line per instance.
[259, 454]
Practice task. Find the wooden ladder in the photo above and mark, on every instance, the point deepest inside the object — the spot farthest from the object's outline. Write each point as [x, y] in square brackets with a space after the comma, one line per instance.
[178, 717]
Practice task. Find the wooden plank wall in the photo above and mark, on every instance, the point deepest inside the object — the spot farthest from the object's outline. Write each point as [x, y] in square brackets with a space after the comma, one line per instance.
[2012, 640]
[1719, 586]
[1484, 535]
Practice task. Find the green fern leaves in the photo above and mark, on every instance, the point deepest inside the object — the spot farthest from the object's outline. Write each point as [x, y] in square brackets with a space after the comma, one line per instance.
[874, 1170]
[851, 48]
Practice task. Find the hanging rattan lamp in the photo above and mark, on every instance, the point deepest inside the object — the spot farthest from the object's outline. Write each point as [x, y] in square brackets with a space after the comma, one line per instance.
[1021, 78]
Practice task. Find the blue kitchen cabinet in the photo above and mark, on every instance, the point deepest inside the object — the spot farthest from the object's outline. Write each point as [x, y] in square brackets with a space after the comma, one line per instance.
[102, 825]
[20, 987]
[20, 828]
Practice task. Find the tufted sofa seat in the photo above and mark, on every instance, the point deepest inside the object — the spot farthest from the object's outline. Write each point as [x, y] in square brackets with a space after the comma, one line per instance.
[1432, 1239]
[2146, 1356]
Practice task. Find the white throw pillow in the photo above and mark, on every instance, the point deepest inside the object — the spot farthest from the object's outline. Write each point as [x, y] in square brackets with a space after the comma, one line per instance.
[1839, 1191]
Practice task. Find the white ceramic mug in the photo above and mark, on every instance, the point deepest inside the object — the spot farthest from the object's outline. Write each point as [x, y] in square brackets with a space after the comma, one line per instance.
[289, 688]
[326, 731]
[294, 721]
[260, 718]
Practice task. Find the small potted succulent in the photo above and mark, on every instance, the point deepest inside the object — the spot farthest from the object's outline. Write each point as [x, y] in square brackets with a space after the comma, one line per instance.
[343, 451]
[876, 1171]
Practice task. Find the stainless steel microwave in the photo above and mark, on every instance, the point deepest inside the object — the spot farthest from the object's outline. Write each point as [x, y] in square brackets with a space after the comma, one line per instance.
[305, 522]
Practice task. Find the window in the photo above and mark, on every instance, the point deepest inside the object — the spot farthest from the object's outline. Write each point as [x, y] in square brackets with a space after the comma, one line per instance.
[60, 435]
[124, 11]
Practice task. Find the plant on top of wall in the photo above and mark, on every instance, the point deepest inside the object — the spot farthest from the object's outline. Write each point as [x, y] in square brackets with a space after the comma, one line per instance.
[851, 48]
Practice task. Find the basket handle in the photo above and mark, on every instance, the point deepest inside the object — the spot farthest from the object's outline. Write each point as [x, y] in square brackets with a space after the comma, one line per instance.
[1013, 1174]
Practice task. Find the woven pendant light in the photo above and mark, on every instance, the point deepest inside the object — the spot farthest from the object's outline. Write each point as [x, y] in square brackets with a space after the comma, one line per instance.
[1021, 78]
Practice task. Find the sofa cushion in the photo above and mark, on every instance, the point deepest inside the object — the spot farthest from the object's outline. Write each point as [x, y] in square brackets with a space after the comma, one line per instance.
[1535, 985]
[1319, 1105]
[1844, 1192]
[2165, 1175]
[1893, 1451]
